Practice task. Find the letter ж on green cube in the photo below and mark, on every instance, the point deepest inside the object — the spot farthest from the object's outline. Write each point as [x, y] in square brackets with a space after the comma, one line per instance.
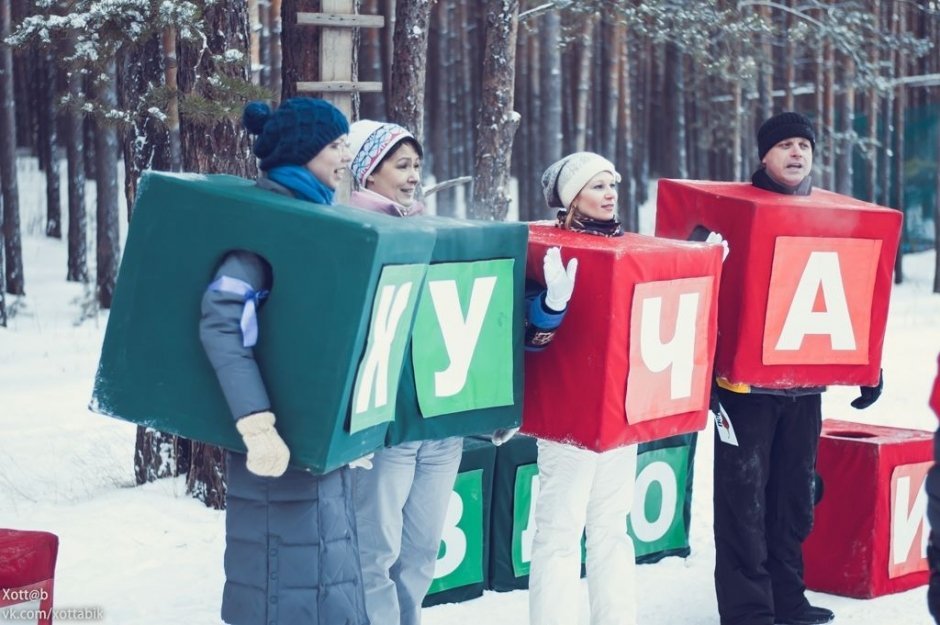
[463, 374]
[662, 505]
[461, 570]
[327, 263]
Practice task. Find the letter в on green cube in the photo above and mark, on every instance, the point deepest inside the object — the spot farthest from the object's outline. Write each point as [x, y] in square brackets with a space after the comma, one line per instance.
[461, 570]
[463, 370]
[327, 264]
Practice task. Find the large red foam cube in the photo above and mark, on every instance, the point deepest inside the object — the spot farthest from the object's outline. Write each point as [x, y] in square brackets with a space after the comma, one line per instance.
[632, 361]
[805, 289]
[869, 534]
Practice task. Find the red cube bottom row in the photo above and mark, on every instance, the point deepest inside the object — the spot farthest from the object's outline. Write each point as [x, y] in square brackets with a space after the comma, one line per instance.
[870, 531]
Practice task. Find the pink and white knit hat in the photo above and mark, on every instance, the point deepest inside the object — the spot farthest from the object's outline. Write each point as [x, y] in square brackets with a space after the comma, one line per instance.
[370, 141]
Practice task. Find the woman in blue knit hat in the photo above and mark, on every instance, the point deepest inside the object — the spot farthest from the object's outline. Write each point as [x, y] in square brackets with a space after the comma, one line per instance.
[291, 552]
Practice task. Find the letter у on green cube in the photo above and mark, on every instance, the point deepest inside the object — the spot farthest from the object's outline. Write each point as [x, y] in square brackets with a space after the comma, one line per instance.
[463, 370]
[327, 263]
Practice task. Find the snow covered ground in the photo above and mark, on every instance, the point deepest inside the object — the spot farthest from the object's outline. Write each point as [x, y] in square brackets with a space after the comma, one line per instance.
[151, 555]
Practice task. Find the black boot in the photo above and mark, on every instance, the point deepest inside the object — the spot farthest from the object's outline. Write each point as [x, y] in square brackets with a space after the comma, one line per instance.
[810, 615]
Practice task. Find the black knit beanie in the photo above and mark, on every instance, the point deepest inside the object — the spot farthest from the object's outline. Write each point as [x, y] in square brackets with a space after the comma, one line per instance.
[295, 132]
[784, 126]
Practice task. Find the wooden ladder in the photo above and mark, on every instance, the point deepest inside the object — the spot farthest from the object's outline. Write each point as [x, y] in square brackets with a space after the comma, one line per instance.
[336, 52]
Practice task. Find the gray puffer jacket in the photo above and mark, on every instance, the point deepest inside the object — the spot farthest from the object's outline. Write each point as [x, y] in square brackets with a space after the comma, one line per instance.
[291, 550]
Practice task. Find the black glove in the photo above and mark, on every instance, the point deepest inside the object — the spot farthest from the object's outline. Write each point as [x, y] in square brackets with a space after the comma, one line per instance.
[713, 404]
[818, 487]
[933, 588]
[870, 394]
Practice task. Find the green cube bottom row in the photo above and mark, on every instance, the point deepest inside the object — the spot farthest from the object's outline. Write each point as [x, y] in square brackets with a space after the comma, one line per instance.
[487, 538]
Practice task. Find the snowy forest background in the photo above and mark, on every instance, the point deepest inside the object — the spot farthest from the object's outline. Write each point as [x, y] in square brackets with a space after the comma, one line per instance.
[496, 89]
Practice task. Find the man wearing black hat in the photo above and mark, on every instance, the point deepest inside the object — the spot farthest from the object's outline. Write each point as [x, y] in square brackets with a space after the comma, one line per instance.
[765, 456]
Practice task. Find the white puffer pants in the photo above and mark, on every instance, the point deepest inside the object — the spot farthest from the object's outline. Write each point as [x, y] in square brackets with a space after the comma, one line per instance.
[583, 490]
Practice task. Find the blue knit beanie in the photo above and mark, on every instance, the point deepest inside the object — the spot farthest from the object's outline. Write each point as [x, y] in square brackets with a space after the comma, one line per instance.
[295, 132]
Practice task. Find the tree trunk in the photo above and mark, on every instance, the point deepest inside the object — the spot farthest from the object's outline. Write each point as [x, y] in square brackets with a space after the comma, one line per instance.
[223, 147]
[610, 111]
[406, 88]
[681, 154]
[12, 246]
[789, 64]
[900, 103]
[847, 144]
[108, 250]
[25, 68]
[583, 82]
[765, 68]
[550, 133]
[442, 117]
[146, 144]
[936, 221]
[819, 153]
[738, 163]
[78, 220]
[170, 70]
[158, 455]
[49, 145]
[829, 124]
[498, 120]
[523, 151]
[645, 113]
[629, 210]
[149, 146]
[300, 47]
[871, 159]
[468, 74]
[370, 63]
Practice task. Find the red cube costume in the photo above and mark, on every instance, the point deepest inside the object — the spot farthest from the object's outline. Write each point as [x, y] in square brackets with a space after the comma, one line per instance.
[632, 360]
[804, 298]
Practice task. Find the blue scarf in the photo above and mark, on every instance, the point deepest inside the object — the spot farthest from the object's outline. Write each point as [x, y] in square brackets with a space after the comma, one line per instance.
[302, 183]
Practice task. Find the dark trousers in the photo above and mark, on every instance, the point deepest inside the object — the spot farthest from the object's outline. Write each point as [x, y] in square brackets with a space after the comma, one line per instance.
[933, 488]
[764, 505]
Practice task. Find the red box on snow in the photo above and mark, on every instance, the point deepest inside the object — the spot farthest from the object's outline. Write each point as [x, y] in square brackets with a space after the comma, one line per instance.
[805, 289]
[632, 361]
[869, 533]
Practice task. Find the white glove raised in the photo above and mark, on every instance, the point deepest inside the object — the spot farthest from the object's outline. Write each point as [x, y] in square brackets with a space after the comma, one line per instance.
[268, 454]
[501, 435]
[362, 463]
[558, 280]
[715, 237]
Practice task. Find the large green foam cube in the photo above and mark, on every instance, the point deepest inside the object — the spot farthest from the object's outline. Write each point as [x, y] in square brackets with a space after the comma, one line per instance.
[462, 568]
[314, 328]
[658, 522]
[476, 256]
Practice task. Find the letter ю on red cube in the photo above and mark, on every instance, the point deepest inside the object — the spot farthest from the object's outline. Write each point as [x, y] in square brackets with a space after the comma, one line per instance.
[632, 361]
[805, 289]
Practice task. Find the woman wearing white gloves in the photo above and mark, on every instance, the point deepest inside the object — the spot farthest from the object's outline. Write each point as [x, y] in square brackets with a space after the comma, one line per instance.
[580, 489]
[402, 503]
